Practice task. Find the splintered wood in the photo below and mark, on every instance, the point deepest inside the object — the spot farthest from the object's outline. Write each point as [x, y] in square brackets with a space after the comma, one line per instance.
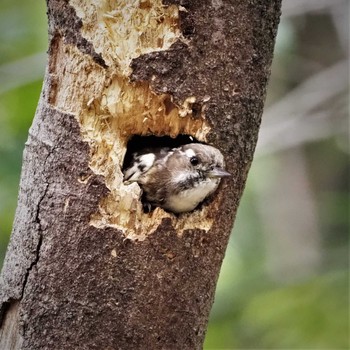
[113, 108]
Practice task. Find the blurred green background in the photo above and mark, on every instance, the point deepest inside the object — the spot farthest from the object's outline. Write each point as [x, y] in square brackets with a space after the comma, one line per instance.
[284, 281]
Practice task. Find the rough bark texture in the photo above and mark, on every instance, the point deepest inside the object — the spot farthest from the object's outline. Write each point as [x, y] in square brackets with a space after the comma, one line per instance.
[73, 282]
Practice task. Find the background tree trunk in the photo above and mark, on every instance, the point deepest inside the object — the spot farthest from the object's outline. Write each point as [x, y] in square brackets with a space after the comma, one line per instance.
[86, 268]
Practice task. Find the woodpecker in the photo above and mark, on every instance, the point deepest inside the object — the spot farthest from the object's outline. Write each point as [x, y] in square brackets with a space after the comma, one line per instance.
[176, 179]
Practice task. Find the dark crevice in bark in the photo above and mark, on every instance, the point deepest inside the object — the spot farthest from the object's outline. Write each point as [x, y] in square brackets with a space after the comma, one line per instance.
[40, 230]
[5, 306]
[37, 220]
[33, 263]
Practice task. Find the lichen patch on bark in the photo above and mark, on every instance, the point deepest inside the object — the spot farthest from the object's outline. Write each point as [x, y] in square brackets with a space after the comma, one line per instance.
[113, 108]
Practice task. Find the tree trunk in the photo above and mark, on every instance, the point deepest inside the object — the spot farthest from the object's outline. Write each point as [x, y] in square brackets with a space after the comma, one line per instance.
[86, 268]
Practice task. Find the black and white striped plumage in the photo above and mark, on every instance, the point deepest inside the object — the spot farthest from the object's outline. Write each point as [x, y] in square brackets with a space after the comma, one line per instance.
[177, 179]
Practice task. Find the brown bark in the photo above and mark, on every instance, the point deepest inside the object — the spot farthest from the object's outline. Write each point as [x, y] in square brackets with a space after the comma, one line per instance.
[86, 268]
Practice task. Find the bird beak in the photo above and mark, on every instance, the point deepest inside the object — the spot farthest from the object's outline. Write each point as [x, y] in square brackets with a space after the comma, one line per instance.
[218, 172]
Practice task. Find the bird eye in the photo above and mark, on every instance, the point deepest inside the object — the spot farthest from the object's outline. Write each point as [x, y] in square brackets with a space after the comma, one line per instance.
[194, 160]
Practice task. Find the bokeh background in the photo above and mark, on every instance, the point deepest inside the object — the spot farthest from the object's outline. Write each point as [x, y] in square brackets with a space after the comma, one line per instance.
[284, 281]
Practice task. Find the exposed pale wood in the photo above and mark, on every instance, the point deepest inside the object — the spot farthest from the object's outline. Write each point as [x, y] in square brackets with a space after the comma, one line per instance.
[9, 331]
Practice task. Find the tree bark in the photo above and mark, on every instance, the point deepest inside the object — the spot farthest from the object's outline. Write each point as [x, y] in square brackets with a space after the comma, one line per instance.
[86, 268]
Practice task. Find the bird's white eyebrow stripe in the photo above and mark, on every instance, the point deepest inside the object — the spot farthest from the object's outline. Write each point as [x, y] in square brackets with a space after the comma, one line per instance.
[190, 153]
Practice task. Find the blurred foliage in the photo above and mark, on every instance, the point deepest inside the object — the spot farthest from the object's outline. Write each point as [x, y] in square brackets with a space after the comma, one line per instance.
[284, 281]
[22, 33]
